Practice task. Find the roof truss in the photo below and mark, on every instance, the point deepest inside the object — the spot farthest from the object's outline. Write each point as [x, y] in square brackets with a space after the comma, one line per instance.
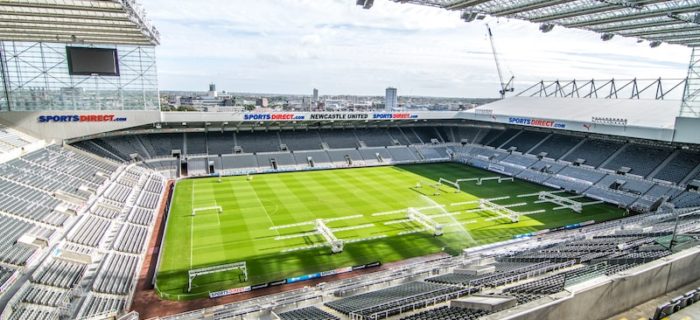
[633, 18]
[78, 21]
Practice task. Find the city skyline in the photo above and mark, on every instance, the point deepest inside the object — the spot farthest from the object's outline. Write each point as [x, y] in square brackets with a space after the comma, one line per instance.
[291, 47]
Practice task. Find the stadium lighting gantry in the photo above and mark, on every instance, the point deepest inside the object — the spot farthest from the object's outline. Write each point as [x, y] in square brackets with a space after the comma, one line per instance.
[665, 20]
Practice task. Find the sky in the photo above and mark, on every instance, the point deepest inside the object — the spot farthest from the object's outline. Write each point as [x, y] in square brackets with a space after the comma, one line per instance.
[293, 46]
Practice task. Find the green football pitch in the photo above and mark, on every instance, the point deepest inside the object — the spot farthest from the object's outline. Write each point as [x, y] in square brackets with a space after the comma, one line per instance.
[373, 198]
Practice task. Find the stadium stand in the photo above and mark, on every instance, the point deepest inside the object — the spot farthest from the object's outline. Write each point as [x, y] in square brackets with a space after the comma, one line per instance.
[641, 159]
[303, 140]
[526, 140]
[340, 139]
[309, 313]
[679, 168]
[259, 141]
[503, 137]
[594, 151]
[557, 146]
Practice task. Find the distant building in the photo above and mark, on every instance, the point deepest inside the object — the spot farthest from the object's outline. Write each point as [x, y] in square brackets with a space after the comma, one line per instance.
[315, 95]
[391, 100]
[212, 91]
[262, 102]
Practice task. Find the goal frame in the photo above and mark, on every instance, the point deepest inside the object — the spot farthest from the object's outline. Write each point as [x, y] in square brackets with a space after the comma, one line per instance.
[194, 273]
[217, 208]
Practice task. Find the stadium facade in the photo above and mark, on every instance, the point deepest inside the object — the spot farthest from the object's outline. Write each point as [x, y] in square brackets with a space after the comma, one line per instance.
[88, 162]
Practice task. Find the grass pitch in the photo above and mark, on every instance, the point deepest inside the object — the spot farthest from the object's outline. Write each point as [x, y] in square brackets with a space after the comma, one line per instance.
[242, 231]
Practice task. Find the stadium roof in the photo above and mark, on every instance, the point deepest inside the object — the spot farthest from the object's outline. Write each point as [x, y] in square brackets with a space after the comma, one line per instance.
[669, 21]
[76, 21]
[658, 114]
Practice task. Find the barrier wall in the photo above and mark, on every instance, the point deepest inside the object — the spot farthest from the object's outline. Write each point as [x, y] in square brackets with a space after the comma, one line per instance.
[598, 299]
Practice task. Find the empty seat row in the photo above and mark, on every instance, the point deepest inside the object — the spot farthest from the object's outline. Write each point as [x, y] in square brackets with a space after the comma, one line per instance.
[131, 239]
[90, 231]
[59, 273]
[117, 274]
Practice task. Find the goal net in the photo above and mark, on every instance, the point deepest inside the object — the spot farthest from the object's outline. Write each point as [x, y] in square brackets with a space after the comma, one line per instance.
[216, 209]
[194, 273]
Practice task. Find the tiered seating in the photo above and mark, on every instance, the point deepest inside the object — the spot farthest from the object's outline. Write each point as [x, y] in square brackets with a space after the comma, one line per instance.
[397, 134]
[10, 231]
[512, 269]
[282, 159]
[340, 139]
[680, 167]
[503, 138]
[688, 199]
[123, 146]
[149, 200]
[433, 153]
[105, 152]
[5, 274]
[319, 157]
[641, 159]
[425, 134]
[60, 273]
[98, 305]
[198, 166]
[548, 167]
[30, 204]
[401, 154]
[309, 313]
[162, 145]
[105, 212]
[302, 140]
[91, 231]
[118, 193]
[117, 274]
[370, 154]
[46, 296]
[594, 151]
[29, 312]
[557, 145]
[239, 161]
[526, 140]
[520, 160]
[132, 239]
[196, 143]
[466, 133]
[338, 156]
[446, 134]
[374, 137]
[385, 299]
[220, 142]
[141, 216]
[9, 140]
[582, 174]
[487, 135]
[447, 313]
[258, 141]
[632, 185]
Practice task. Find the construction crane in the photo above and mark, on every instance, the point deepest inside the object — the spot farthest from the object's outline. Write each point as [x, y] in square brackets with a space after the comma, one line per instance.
[505, 86]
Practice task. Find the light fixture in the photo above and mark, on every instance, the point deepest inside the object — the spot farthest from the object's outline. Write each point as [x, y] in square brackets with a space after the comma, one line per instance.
[546, 27]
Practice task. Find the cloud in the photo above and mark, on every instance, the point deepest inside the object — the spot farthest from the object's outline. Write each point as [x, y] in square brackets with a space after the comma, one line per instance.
[292, 46]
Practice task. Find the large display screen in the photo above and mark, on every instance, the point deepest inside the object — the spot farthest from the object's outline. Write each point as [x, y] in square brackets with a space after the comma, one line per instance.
[92, 61]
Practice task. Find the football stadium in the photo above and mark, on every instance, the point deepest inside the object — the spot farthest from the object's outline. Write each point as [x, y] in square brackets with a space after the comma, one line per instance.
[567, 200]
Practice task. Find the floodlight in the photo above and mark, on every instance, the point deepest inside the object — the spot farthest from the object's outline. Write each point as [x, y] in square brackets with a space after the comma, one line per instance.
[546, 27]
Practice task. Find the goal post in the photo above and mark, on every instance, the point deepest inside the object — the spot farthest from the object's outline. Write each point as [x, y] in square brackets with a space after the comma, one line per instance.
[194, 273]
[212, 208]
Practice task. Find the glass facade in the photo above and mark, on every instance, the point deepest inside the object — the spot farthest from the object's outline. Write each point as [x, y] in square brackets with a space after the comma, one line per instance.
[35, 77]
